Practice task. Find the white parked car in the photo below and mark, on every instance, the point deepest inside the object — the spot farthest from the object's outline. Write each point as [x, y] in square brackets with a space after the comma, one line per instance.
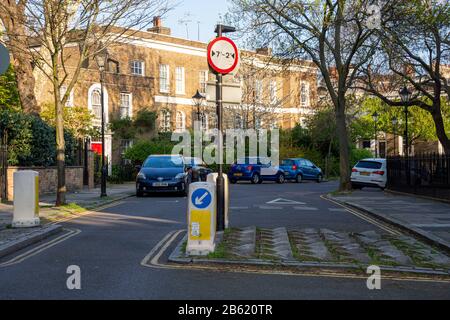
[369, 173]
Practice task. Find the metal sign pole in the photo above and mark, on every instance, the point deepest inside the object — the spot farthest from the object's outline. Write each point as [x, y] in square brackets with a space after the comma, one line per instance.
[220, 181]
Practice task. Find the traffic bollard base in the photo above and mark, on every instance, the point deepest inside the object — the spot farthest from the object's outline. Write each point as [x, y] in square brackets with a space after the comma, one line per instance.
[28, 223]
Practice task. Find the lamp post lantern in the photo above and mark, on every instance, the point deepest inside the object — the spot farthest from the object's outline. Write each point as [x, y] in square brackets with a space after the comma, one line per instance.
[102, 62]
[376, 117]
[199, 99]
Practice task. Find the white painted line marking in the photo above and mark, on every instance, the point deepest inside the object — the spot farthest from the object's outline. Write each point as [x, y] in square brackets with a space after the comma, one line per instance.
[270, 208]
[306, 208]
[47, 245]
[284, 202]
[337, 210]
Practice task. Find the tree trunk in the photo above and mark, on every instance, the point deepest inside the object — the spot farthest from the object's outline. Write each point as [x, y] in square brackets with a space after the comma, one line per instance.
[440, 130]
[12, 15]
[344, 161]
[60, 142]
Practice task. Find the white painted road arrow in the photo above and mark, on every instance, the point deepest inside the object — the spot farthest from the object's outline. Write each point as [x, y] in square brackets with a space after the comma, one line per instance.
[285, 202]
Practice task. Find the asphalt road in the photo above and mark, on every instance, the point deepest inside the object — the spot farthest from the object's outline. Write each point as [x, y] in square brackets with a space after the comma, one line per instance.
[112, 243]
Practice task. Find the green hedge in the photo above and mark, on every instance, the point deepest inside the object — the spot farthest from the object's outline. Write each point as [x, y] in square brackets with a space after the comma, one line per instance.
[31, 141]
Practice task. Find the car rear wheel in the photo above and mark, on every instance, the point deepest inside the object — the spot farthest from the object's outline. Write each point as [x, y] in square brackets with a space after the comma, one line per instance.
[281, 179]
[256, 179]
[299, 178]
[319, 178]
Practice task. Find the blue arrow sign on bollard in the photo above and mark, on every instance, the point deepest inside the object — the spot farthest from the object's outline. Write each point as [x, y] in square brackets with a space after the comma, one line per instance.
[201, 198]
[4, 59]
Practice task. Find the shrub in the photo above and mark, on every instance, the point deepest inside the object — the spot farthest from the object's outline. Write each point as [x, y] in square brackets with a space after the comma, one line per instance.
[358, 154]
[142, 149]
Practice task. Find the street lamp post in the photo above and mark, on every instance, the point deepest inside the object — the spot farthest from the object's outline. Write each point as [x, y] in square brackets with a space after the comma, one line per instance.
[376, 117]
[220, 30]
[198, 99]
[405, 95]
[394, 125]
[102, 60]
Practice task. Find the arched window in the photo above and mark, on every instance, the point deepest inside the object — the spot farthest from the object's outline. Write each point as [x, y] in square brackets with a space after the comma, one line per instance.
[180, 121]
[96, 98]
[304, 94]
[165, 121]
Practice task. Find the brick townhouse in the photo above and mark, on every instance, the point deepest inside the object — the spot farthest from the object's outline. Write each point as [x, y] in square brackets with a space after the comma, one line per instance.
[154, 70]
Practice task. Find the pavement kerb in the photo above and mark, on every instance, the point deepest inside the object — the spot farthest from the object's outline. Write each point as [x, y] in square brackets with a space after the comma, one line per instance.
[49, 229]
[422, 235]
[13, 246]
[177, 257]
[416, 196]
[92, 208]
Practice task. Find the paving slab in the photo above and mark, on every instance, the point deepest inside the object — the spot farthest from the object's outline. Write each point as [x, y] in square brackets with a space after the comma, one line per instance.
[425, 218]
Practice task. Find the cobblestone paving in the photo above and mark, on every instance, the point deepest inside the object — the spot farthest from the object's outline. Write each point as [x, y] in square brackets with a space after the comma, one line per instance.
[364, 248]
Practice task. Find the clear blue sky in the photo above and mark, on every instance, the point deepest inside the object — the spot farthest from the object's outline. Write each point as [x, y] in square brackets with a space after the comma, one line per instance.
[206, 11]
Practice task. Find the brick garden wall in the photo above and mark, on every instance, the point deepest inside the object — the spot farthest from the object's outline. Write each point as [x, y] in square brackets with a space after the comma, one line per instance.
[48, 179]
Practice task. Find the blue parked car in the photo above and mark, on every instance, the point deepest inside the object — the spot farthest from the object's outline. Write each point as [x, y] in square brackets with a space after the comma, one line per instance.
[255, 170]
[301, 169]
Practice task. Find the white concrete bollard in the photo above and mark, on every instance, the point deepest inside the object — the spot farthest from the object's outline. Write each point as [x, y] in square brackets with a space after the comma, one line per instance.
[212, 177]
[201, 219]
[26, 199]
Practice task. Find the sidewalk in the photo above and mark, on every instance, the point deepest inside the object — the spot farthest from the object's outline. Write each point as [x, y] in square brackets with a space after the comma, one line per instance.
[425, 218]
[12, 240]
[86, 198]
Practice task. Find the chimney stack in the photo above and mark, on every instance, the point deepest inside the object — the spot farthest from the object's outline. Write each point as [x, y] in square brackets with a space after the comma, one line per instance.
[158, 27]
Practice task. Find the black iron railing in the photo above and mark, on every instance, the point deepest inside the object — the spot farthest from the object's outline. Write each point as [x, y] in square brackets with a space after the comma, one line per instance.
[427, 175]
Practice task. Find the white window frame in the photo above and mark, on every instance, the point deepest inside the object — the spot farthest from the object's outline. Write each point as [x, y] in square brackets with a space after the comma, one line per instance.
[134, 68]
[180, 80]
[129, 107]
[70, 100]
[273, 92]
[304, 94]
[97, 107]
[165, 122]
[203, 81]
[164, 83]
[258, 91]
[180, 123]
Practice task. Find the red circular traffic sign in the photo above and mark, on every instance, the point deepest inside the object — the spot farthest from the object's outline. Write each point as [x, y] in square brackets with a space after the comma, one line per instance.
[223, 55]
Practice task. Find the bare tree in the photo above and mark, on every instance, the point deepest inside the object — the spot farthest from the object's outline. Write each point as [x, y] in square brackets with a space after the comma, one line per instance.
[54, 27]
[415, 52]
[333, 34]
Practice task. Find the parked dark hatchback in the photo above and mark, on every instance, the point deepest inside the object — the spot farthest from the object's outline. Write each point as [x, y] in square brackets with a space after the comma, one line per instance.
[197, 169]
[162, 173]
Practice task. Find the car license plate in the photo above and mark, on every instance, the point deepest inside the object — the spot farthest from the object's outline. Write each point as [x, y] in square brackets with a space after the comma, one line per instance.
[238, 174]
[365, 174]
[160, 184]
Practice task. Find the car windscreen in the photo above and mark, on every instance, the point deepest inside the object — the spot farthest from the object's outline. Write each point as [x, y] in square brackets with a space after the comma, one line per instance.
[164, 162]
[369, 165]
